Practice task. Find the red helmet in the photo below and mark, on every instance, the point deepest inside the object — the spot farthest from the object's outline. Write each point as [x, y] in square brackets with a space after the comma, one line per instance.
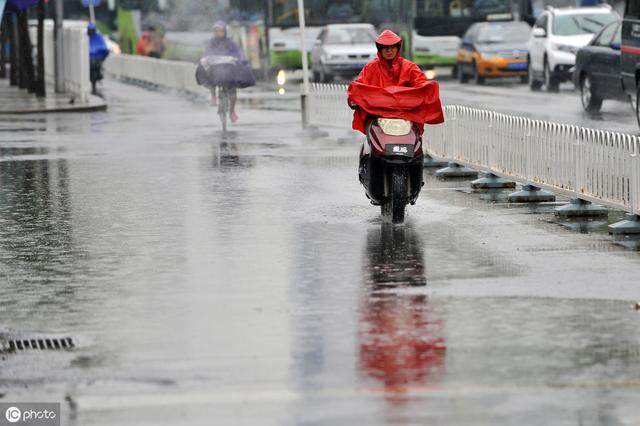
[388, 38]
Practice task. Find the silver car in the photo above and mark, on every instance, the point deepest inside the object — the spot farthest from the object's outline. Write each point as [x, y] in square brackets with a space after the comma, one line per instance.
[342, 50]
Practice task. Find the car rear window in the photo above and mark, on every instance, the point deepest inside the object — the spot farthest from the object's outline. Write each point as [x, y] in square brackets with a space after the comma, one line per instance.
[567, 25]
[499, 33]
[350, 36]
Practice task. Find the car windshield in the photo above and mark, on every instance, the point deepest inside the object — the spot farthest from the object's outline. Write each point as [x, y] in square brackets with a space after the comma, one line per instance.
[567, 25]
[350, 35]
[506, 32]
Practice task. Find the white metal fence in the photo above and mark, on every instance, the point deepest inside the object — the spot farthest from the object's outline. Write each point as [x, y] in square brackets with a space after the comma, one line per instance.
[76, 57]
[169, 74]
[327, 106]
[593, 165]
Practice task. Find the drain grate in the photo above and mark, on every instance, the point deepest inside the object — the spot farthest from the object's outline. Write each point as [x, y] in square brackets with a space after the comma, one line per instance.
[39, 343]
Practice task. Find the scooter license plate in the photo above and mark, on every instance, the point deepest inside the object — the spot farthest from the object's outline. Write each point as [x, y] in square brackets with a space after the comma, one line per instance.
[404, 150]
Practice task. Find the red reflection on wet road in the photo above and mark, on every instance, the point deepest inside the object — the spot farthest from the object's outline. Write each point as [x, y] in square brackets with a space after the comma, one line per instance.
[402, 344]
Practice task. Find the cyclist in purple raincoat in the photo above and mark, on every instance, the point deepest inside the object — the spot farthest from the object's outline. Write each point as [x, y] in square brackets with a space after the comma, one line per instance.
[230, 76]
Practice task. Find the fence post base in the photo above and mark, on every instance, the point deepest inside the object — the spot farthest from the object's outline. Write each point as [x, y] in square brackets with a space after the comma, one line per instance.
[491, 181]
[429, 161]
[631, 225]
[351, 136]
[581, 208]
[312, 132]
[531, 194]
[456, 171]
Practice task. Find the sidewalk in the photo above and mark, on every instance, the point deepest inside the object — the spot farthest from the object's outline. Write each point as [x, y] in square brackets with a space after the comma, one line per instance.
[18, 101]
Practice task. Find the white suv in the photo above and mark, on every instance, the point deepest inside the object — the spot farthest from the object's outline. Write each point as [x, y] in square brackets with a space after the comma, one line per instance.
[556, 37]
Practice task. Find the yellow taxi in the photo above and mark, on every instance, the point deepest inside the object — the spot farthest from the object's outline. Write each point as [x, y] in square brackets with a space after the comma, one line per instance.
[493, 49]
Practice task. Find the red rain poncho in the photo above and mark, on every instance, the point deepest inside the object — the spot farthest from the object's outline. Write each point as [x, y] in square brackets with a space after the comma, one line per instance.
[394, 89]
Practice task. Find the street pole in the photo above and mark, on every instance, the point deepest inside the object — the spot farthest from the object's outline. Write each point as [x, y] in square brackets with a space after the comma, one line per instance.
[41, 89]
[92, 14]
[305, 63]
[267, 23]
[58, 38]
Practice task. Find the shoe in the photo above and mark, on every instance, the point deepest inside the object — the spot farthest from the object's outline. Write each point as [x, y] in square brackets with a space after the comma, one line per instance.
[233, 116]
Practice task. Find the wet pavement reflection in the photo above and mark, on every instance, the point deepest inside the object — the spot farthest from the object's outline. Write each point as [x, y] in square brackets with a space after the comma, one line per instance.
[402, 346]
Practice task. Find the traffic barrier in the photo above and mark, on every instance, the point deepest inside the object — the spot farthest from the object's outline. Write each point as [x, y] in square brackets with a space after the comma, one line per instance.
[327, 106]
[588, 164]
[76, 57]
[174, 75]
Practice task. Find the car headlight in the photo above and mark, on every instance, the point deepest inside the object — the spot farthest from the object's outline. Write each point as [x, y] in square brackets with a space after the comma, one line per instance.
[566, 48]
[488, 56]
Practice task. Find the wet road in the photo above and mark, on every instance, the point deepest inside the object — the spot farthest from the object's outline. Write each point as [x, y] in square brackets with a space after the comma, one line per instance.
[245, 280]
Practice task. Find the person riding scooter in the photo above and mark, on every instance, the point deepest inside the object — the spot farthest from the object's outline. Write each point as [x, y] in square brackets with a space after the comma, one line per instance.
[393, 99]
[390, 70]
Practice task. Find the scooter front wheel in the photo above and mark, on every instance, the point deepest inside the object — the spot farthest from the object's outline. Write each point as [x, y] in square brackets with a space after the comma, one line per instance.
[398, 195]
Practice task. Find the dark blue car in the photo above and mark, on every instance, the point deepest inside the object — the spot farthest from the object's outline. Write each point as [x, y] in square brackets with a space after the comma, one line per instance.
[597, 69]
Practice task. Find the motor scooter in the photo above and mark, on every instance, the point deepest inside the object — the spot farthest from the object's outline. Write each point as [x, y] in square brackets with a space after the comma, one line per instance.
[391, 164]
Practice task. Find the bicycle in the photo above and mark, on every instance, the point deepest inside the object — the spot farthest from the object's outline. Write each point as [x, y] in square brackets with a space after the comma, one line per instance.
[223, 105]
[221, 66]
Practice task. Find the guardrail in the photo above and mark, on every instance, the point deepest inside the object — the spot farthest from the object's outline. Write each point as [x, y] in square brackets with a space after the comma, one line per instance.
[76, 57]
[592, 165]
[327, 106]
[174, 75]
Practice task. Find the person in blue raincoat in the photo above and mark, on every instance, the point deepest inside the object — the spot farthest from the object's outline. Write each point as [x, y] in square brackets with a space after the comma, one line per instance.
[231, 76]
[98, 52]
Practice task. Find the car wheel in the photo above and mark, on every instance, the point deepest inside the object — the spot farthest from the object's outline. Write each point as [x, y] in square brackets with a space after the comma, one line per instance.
[550, 83]
[477, 78]
[316, 77]
[638, 105]
[454, 72]
[534, 84]
[462, 77]
[590, 103]
[324, 77]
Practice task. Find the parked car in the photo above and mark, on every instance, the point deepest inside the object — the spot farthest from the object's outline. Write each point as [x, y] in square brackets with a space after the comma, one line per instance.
[630, 54]
[555, 39]
[597, 70]
[493, 49]
[342, 50]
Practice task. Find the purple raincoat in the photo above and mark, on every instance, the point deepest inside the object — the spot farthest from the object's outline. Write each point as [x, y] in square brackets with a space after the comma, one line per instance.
[233, 75]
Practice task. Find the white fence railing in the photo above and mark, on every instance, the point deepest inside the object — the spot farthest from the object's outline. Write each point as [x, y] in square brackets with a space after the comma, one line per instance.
[169, 74]
[76, 57]
[593, 165]
[327, 106]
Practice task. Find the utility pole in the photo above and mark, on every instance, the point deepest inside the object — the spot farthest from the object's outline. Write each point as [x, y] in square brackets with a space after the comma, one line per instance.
[41, 89]
[305, 62]
[3, 41]
[58, 38]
